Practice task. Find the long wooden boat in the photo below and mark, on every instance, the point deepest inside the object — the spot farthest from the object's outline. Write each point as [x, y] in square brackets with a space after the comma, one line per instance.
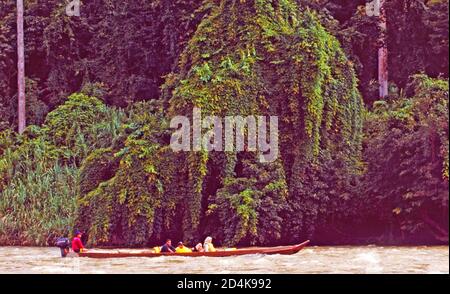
[122, 253]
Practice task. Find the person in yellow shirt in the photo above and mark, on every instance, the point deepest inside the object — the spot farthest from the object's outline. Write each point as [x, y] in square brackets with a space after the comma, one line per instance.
[182, 249]
[208, 245]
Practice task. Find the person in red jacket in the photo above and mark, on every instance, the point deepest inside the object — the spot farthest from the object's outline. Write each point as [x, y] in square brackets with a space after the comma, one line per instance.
[77, 245]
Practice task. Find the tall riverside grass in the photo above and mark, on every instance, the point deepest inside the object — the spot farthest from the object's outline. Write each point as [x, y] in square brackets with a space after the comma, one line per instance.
[40, 206]
[39, 171]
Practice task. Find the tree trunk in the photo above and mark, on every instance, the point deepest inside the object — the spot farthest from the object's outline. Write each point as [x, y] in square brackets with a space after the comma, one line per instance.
[383, 51]
[20, 68]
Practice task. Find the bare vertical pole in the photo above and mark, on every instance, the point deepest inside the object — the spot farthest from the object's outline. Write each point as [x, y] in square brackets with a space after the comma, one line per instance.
[383, 52]
[20, 68]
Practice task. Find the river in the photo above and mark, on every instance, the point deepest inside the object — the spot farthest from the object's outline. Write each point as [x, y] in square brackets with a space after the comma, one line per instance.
[313, 260]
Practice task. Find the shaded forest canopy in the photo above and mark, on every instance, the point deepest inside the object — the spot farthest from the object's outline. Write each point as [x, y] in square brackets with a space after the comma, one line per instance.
[102, 88]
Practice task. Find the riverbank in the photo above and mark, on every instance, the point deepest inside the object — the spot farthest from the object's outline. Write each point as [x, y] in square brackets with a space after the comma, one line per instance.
[313, 244]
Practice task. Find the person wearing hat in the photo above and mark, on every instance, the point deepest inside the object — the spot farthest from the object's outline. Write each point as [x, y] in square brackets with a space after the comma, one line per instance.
[208, 245]
[77, 245]
[182, 249]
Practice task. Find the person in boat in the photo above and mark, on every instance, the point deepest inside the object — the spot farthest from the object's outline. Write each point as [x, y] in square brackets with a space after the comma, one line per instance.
[198, 248]
[182, 249]
[77, 244]
[64, 245]
[208, 245]
[168, 248]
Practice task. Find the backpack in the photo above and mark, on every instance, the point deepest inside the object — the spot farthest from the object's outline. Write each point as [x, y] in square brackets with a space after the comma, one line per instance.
[62, 243]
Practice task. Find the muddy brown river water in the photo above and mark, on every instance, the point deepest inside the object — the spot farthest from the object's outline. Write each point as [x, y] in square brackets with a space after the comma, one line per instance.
[313, 260]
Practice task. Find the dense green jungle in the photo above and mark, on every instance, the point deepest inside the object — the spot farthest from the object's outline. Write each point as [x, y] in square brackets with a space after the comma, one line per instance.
[102, 88]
